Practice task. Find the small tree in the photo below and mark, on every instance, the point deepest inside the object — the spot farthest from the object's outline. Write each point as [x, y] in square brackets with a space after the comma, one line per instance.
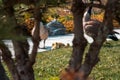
[21, 68]
[77, 70]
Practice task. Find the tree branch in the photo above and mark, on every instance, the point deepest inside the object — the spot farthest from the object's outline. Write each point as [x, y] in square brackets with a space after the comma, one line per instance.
[7, 57]
[36, 33]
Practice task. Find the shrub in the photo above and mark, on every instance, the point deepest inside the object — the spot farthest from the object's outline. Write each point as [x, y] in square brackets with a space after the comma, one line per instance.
[101, 16]
[29, 23]
[69, 25]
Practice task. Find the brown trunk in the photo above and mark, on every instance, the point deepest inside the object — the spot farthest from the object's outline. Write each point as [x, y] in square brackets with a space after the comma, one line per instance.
[21, 51]
[75, 69]
[92, 58]
[3, 75]
[35, 37]
[23, 62]
[9, 61]
[79, 42]
[21, 56]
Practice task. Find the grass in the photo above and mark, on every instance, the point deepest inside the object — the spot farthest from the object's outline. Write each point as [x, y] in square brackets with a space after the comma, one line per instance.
[50, 63]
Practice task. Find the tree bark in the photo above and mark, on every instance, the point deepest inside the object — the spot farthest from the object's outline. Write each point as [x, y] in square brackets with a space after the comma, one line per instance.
[21, 51]
[35, 37]
[92, 58]
[6, 55]
[79, 42]
[22, 58]
[3, 75]
[23, 64]
[76, 69]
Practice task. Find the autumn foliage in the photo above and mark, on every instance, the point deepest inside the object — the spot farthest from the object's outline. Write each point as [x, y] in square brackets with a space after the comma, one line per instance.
[29, 23]
[69, 25]
[100, 18]
[66, 20]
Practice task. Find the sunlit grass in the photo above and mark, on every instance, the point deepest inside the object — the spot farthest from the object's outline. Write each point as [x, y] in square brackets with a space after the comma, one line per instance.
[49, 64]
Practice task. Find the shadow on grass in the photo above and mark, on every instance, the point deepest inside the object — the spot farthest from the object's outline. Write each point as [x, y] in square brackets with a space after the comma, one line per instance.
[112, 44]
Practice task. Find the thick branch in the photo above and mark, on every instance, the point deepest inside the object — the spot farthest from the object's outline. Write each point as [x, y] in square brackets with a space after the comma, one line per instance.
[79, 42]
[22, 59]
[7, 57]
[3, 75]
[91, 58]
[35, 37]
[108, 16]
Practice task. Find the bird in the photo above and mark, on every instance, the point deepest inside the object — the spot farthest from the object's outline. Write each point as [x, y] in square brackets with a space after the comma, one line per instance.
[92, 26]
[113, 36]
[44, 33]
[58, 45]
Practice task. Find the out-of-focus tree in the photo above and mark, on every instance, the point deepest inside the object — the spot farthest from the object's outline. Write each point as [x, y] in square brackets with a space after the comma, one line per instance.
[21, 67]
[79, 68]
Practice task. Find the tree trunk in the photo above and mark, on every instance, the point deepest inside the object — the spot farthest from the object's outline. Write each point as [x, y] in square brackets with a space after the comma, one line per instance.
[75, 69]
[92, 58]
[79, 42]
[6, 55]
[21, 51]
[22, 59]
[23, 64]
[35, 37]
[117, 12]
[3, 75]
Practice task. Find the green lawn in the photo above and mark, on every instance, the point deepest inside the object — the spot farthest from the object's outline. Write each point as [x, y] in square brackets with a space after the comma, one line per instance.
[50, 63]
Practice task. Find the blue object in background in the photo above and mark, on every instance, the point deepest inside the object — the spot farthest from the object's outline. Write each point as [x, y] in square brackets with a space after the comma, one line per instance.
[56, 28]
